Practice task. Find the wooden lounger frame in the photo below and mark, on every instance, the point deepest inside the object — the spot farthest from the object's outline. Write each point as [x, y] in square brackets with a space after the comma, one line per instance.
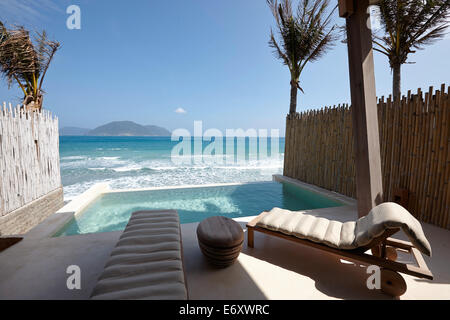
[358, 255]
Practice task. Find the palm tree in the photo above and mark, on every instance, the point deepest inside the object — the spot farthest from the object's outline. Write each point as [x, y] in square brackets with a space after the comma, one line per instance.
[409, 25]
[25, 62]
[304, 37]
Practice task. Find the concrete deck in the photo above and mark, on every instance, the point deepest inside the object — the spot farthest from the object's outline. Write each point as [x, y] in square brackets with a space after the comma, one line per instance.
[36, 267]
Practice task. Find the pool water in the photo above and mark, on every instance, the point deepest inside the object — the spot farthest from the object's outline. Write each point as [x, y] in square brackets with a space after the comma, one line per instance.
[111, 211]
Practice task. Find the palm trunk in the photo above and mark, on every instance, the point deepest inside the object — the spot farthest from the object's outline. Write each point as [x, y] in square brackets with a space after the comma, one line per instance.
[396, 91]
[31, 103]
[293, 106]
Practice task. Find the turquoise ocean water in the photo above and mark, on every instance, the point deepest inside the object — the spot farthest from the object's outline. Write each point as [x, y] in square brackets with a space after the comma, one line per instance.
[140, 162]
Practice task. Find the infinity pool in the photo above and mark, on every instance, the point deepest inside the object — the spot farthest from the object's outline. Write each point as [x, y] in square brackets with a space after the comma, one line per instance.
[111, 211]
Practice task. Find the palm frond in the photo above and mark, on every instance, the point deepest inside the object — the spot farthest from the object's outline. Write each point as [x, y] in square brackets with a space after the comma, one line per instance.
[25, 61]
[303, 37]
[410, 24]
[17, 55]
[278, 52]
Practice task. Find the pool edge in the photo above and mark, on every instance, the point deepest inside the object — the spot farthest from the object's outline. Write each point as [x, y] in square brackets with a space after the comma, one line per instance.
[323, 192]
[57, 221]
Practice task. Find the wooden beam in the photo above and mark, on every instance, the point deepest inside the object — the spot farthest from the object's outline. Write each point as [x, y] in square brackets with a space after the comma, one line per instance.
[345, 8]
[369, 189]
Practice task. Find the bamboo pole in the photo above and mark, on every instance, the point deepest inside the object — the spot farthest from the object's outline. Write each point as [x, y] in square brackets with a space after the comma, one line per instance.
[414, 146]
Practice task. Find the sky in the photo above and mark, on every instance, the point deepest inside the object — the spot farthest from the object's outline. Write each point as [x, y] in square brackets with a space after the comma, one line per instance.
[172, 62]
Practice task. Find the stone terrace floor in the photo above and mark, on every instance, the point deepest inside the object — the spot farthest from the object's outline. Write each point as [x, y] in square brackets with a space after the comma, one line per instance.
[35, 268]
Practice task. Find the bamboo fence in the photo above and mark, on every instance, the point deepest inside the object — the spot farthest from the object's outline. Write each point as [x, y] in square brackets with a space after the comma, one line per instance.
[29, 157]
[414, 146]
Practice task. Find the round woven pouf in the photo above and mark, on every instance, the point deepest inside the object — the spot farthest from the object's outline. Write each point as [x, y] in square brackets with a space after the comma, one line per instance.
[220, 239]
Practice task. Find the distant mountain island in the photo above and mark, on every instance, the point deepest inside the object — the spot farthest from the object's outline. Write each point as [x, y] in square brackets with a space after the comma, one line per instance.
[73, 131]
[118, 128]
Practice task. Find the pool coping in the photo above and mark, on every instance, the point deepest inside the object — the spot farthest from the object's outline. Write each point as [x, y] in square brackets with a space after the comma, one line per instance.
[324, 192]
[188, 186]
[55, 222]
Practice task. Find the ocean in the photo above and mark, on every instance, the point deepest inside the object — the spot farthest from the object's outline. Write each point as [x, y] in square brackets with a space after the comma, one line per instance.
[140, 162]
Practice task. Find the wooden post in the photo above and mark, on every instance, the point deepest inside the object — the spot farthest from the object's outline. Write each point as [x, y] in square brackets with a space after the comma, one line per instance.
[369, 189]
[251, 237]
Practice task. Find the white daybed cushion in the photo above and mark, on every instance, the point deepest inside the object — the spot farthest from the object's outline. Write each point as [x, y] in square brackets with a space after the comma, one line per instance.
[146, 262]
[348, 235]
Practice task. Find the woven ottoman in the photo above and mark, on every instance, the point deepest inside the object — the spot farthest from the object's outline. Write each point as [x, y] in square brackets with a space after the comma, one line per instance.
[220, 239]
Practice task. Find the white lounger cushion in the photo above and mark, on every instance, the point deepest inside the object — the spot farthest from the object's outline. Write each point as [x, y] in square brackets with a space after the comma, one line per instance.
[348, 235]
[146, 262]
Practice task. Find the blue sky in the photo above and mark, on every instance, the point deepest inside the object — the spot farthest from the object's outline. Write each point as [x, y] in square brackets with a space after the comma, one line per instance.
[142, 60]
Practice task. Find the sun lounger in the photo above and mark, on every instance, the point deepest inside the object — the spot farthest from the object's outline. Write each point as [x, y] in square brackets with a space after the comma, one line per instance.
[352, 239]
[147, 262]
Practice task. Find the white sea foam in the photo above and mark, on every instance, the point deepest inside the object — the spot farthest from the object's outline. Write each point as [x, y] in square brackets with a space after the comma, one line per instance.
[76, 189]
[164, 168]
[93, 162]
[139, 169]
[74, 158]
[177, 176]
[131, 167]
[266, 167]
